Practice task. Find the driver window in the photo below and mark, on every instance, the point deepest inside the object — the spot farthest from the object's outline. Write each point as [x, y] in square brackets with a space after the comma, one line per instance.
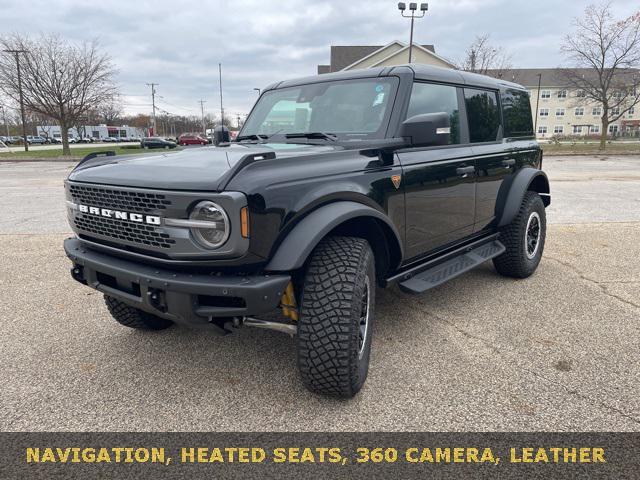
[433, 98]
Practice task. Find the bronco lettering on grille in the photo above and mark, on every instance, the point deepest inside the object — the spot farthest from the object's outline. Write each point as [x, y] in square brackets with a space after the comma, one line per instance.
[120, 215]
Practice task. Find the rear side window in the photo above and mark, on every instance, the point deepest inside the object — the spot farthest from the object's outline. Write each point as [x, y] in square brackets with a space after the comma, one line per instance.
[432, 98]
[516, 111]
[483, 115]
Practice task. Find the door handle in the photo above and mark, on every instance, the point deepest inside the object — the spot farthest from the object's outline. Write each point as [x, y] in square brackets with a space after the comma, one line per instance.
[509, 162]
[465, 170]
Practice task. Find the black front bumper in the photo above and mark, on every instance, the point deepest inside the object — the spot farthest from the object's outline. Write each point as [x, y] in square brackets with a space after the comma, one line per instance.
[178, 296]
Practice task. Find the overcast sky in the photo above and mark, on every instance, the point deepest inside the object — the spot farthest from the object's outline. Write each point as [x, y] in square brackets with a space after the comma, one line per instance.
[179, 44]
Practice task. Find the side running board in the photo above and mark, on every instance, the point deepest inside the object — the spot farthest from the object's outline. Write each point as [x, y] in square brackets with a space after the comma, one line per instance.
[438, 274]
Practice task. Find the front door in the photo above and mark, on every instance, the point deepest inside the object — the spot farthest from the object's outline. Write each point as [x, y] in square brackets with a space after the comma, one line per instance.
[439, 197]
[439, 182]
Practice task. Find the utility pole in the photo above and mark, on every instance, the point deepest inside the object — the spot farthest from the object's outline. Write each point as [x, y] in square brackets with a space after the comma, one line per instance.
[17, 53]
[204, 128]
[238, 119]
[535, 126]
[4, 115]
[153, 103]
[221, 107]
[412, 8]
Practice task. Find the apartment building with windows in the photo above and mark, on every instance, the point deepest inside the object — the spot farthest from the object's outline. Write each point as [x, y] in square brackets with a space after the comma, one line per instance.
[563, 111]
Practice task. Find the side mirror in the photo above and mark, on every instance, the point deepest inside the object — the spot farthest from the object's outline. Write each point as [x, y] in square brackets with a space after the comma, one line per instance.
[220, 135]
[427, 129]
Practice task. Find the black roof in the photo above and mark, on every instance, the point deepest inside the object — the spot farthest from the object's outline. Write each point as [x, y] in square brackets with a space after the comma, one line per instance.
[420, 71]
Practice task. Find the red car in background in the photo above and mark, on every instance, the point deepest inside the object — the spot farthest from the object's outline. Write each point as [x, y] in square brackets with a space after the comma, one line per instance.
[191, 139]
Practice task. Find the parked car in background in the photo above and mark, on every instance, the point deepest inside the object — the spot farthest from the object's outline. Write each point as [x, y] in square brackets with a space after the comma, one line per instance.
[156, 142]
[110, 139]
[36, 140]
[55, 140]
[191, 139]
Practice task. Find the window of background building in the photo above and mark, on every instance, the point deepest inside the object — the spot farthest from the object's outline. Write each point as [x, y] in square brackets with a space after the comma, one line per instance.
[615, 111]
[516, 112]
[544, 112]
[545, 93]
[559, 112]
[432, 98]
[577, 129]
[562, 94]
[558, 129]
[579, 111]
[613, 128]
[542, 129]
[483, 115]
[594, 129]
[631, 111]
[596, 111]
[581, 94]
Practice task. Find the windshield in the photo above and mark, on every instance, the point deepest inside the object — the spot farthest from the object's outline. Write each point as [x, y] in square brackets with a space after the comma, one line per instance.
[349, 109]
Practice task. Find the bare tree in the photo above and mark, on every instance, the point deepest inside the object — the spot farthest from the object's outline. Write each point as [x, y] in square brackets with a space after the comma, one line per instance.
[110, 111]
[61, 80]
[481, 56]
[607, 50]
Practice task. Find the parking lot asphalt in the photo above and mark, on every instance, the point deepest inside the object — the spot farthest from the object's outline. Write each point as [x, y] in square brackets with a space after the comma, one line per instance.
[555, 352]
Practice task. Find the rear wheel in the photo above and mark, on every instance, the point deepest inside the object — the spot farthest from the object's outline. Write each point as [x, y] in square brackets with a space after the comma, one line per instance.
[524, 238]
[134, 318]
[336, 317]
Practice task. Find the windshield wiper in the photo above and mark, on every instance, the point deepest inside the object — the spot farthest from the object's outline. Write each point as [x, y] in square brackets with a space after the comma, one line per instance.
[253, 136]
[257, 136]
[319, 135]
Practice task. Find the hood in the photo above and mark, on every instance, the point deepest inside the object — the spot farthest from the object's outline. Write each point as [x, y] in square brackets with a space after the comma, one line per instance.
[203, 168]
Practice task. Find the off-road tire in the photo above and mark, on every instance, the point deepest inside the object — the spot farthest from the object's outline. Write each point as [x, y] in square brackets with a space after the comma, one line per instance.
[333, 353]
[133, 318]
[514, 262]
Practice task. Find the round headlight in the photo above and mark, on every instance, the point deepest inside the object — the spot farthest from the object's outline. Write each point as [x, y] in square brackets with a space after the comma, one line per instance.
[215, 234]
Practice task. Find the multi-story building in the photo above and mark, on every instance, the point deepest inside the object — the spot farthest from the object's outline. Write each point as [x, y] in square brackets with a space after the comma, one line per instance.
[563, 111]
[558, 110]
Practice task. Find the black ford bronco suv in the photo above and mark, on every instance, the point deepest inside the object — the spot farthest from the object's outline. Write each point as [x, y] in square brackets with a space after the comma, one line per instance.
[336, 184]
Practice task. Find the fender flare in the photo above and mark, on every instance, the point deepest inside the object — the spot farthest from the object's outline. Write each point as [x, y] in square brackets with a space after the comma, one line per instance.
[300, 242]
[513, 190]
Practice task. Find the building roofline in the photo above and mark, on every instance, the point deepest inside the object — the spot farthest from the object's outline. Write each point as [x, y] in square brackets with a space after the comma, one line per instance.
[396, 42]
[420, 47]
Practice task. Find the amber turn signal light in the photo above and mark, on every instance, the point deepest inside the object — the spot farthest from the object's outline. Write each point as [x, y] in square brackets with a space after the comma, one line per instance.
[244, 222]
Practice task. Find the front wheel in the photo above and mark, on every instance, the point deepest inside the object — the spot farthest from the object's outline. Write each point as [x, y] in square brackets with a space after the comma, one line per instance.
[134, 318]
[524, 238]
[336, 317]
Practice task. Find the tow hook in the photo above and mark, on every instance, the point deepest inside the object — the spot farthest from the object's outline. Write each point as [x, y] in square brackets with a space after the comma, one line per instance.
[77, 272]
[156, 299]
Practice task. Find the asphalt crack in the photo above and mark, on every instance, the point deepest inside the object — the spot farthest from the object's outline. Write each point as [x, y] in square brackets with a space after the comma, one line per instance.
[601, 285]
[500, 350]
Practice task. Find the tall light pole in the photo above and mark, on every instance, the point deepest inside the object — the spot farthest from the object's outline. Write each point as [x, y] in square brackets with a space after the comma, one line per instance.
[204, 128]
[412, 8]
[17, 53]
[221, 107]
[153, 104]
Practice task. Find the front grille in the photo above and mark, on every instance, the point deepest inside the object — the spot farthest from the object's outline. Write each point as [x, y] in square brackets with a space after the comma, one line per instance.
[118, 199]
[124, 230]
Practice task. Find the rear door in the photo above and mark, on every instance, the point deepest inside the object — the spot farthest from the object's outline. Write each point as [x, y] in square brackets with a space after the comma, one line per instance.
[439, 182]
[492, 118]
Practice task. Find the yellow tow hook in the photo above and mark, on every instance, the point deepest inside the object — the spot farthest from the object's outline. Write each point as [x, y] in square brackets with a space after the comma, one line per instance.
[288, 303]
